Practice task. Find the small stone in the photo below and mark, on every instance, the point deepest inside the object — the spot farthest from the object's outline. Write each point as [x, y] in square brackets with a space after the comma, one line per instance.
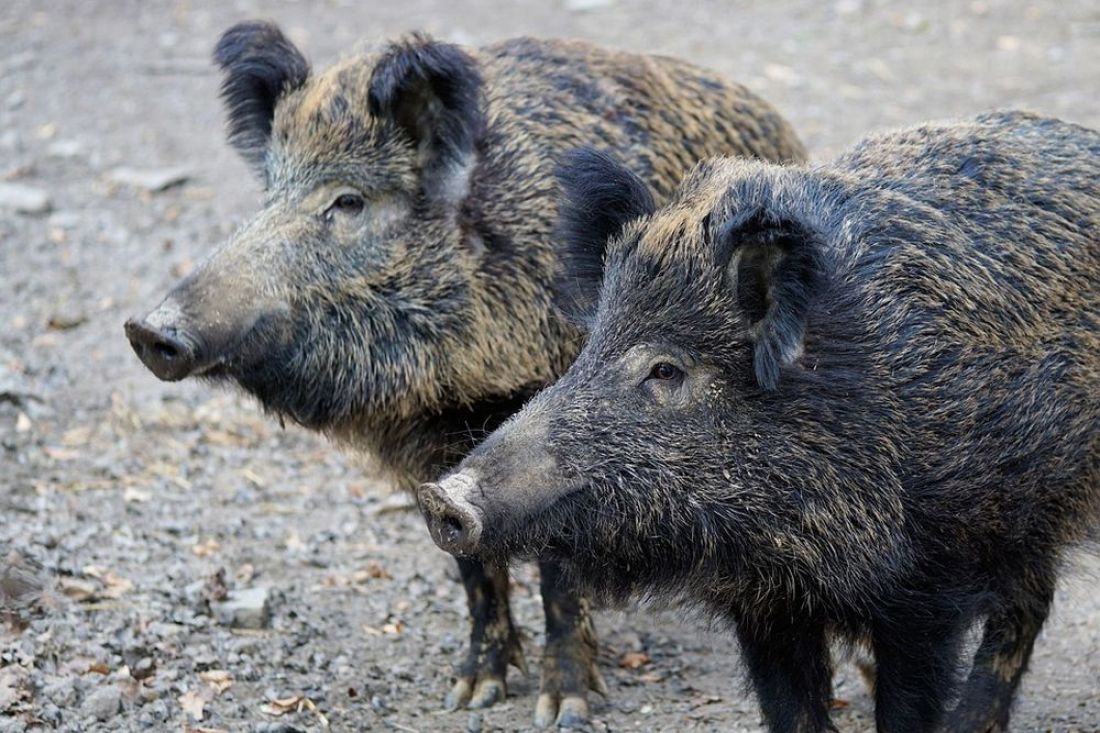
[583, 5]
[474, 723]
[244, 609]
[24, 199]
[65, 149]
[149, 179]
[103, 704]
[12, 725]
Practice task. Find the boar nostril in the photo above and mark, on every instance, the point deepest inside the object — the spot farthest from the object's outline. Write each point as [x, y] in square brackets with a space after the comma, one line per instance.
[452, 528]
[169, 354]
[166, 350]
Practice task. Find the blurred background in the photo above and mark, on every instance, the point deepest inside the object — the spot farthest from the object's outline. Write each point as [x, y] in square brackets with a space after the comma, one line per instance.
[128, 508]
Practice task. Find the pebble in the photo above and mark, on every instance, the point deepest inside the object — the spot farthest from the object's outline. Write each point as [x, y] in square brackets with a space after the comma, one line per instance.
[149, 179]
[65, 149]
[24, 199]
[12, 725]
[474, 723]
[244, 609]
[103, 704]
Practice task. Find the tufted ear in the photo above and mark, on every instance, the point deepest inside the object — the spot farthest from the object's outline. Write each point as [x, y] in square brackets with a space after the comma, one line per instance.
[432, 92]
[260, 65]
[599, 197]
[775, 268]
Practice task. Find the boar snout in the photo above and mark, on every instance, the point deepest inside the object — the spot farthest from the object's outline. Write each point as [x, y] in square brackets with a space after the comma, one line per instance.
[455, 523]
[166, 349]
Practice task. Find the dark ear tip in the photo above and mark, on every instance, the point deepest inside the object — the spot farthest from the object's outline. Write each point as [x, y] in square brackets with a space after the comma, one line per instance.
[247, 35]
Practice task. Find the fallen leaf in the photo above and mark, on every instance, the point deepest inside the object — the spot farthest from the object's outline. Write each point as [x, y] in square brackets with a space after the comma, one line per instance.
[634, 660]
[99, 668]
[193, 702]
[79, 590]
[395, 627]
[132, 495]
[282, 705]
[207, 548]
[372, 570]
[294, 542]
[651, 678]
[838, 704]
[218, 679]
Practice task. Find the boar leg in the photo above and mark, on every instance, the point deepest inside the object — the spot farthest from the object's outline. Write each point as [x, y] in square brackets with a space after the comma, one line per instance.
[788, 663]
[494, 641]
[1001, 659]
[916, 661]
[569, 665]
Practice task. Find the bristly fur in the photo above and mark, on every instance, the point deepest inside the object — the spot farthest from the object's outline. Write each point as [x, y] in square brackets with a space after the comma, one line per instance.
[925, 463]
[599, 196]
[260, 66]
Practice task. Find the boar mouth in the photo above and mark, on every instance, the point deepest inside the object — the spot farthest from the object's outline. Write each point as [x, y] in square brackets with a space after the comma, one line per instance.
[544, 531]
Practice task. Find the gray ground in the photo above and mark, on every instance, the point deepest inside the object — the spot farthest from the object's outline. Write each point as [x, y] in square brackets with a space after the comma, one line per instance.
[133, 494]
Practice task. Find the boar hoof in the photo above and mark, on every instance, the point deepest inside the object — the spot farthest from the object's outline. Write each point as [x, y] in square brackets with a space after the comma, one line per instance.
[569, 712]
[488, 691]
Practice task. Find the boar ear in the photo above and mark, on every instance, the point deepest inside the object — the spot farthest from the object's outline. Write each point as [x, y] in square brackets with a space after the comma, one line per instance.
[260, 65]
[776, 270]
[432, 92]
[599, 197]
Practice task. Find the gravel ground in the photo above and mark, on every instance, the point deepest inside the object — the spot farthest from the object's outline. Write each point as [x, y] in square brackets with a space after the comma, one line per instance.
[145, 504]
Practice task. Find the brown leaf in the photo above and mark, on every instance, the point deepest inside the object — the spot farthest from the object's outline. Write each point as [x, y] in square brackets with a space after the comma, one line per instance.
[207, 548]
[839, 704]
[99, 668]
[194, 701]
[283, 705]
[79, 590]
[634, 660]
[218, 679]
[395, 627]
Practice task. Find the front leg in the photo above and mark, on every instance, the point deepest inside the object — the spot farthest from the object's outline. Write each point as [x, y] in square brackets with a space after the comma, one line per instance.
[788, 662]
[569, 665]
[494, 641]
[917, 660]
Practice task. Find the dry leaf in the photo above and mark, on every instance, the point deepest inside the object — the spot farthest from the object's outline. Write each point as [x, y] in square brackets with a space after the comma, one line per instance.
[294, 542]
[838, 704]
[189, 729]
[651, 678]
[99, 668]
[79, 590]
[282, 705]
[61, 454]
[193, 702]
[131, 495]
[395, 627]
[218, 679]
[634, 660]
[206, 549]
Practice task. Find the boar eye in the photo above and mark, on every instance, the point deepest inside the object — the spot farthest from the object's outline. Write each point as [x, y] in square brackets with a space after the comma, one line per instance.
[347, 203]
[665, 372]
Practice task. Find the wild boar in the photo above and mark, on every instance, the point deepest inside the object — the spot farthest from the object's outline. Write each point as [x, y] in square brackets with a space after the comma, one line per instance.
[394, 290]
[855, 402]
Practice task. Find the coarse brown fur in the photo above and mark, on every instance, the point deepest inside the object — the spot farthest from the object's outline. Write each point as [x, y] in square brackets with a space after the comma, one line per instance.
[395, 289]
[858, 401]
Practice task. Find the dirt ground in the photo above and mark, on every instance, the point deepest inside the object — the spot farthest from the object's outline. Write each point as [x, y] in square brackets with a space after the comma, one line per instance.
[132, 495]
